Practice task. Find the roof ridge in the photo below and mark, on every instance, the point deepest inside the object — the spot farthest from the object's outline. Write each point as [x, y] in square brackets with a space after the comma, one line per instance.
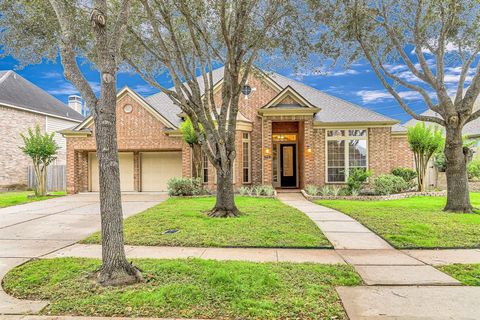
[6, 75]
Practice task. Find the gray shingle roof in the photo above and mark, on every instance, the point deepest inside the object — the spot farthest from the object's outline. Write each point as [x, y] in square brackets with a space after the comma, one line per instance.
[470, 129]
[17, 91]
[333, 109]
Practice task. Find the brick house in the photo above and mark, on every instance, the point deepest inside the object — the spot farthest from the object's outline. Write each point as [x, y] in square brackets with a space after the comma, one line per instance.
[288, 135]
[22, 106]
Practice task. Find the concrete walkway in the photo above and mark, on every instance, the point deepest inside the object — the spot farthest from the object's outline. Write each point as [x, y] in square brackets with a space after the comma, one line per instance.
[36, 229]
[400, 285]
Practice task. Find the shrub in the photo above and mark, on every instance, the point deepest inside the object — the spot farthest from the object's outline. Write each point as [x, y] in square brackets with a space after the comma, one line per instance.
[336, 191]
[473, 169]
[356, 178]
[325, 191]
[185, 187]
[388, 183]
[311, 189]
[406, 174]
[257, 191]
[440, 162]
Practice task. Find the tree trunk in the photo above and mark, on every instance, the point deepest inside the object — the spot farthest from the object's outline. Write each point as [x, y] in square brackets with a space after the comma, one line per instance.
[225, 200]
[197, 161]
[456, 156]
[115, 270]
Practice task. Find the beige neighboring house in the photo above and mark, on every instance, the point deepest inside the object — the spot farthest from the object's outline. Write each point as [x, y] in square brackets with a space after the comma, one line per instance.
[22, 105]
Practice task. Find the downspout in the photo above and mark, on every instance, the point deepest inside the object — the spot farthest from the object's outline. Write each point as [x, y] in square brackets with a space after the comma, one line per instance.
[261, 153]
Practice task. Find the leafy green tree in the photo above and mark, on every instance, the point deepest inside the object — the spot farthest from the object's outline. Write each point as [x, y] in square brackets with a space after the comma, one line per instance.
[188, 39]
[424, 141]
[42, 149]
[90, 32]
[412, 45]
[190, 136]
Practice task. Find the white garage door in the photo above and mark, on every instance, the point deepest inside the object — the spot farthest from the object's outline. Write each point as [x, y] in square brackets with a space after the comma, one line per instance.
[126, 171]
[158, 168]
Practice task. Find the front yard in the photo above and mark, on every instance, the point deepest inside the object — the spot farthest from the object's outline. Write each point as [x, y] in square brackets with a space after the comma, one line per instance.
[8, 199]
[188, 289]
[264, 223]
[467, 274]
[417, 222]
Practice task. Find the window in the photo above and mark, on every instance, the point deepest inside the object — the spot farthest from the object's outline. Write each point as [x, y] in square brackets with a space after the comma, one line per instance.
[284, 137]
[205, 168]
[246, 90]
[346, 150]
[247, 161]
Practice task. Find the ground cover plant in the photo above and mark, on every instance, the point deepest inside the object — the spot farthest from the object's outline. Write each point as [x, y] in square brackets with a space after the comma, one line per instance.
[8, 199]
[264, 222]
[417, 222]
[467, 274]
[190, 288]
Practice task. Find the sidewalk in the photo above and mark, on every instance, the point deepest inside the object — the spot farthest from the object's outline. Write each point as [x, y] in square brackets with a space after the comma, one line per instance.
[400, 285]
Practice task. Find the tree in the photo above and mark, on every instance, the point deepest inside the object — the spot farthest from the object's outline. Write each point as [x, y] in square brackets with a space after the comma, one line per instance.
[188, 39]
[42, 149]
[92, 31]
[190, 137]
[424, 141]
[422, 38]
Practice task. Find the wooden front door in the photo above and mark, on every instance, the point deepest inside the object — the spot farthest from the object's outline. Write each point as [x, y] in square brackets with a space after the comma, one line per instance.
[288, 165]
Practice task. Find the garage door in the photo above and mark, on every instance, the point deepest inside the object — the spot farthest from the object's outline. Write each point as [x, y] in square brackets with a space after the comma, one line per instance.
[126, 171]
[158, 168]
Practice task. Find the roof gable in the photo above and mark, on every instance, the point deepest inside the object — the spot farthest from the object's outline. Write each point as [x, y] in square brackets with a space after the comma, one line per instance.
[127, 91]
[289, 97]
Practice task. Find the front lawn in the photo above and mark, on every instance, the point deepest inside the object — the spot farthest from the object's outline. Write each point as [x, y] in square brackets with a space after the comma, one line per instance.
[190, 288]
[8, 199]
[467, 274]
[417, 222]
[264, 223]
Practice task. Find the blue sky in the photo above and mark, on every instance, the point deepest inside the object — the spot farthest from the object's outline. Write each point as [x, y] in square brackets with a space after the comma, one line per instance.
[357, 84]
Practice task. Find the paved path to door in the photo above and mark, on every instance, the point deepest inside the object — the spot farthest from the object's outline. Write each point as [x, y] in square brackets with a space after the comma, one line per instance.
[399, 284]
[39, 228]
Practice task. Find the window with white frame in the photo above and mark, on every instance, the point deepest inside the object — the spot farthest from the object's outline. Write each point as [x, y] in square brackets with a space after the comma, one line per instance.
[205, 168]
[247, 159]
[346, 150]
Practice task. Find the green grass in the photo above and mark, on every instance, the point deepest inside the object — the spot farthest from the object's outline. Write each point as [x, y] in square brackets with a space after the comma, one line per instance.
[190, 288]
[417, 222]
[8, 199]
[264, 223]
[467, 274]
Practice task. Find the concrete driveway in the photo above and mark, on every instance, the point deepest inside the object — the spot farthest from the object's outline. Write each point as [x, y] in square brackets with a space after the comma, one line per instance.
[39, 228]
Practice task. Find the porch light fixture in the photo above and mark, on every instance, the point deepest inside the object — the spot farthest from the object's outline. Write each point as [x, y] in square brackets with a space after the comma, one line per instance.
[309, 149]
[266, 153]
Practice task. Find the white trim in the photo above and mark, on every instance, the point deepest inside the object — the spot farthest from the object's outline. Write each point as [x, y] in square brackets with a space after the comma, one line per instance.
[38, 112]
[345, 138]
[249, 142]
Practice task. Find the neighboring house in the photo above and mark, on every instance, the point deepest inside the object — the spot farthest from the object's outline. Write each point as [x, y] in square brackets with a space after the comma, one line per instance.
[288, 135]
[22, 106]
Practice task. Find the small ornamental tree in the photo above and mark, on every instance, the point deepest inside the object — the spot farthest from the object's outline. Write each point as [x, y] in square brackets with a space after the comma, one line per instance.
[42, 149]
[189, 135]
[424, 141]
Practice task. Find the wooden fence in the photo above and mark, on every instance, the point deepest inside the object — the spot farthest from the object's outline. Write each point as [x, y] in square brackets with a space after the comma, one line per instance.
[56, 178]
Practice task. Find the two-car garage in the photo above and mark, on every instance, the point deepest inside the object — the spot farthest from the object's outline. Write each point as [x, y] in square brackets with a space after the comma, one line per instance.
[154, 170]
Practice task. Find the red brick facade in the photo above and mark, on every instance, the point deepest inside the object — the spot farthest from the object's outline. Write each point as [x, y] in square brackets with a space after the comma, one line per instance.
[141, 131]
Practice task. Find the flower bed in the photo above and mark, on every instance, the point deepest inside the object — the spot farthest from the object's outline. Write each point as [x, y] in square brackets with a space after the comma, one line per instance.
[396, 196]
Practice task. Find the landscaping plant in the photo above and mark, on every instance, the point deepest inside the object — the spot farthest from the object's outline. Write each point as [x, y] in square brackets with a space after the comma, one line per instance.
[406, 174]
[424, 141]
[185, 187]
[311, 189]
[189, 135]
[42, 149]
[387, 184]
[356, 179]
[473, 169]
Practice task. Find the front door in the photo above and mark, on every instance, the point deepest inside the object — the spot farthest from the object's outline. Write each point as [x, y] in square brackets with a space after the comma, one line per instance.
[288, 165]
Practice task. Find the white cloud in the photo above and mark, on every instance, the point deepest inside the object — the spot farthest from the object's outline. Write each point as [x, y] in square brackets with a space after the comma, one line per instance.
[51, 75]
[319, 72]
[66, 88]
[374, 96]
[143, 88]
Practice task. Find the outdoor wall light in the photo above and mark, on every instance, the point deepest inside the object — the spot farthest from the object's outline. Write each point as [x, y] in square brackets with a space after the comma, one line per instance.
[266, 152]
[309, 149]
